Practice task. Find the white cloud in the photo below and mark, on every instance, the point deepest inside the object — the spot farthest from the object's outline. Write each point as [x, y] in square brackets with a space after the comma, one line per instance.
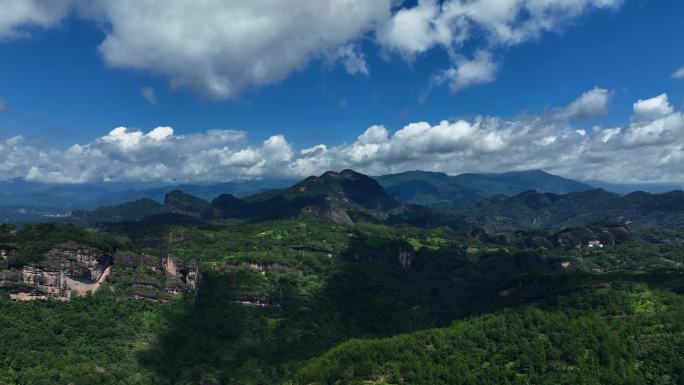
[592, 104]
[679, 74]
[352, 60]
[604, 135]
[652, 139]
[149, 95]
[481, 69]
[415, 30]
[18, 16]
[373, 135]
[487, 25]
[160, 133]
[222, 47]
[652, 108]
[509, 22]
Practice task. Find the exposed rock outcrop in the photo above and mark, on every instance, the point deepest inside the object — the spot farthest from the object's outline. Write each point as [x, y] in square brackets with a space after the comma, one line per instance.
[390, 253]
[335, 215]
[70, 270]
[259, 267]
[405, 257]
[6, 251]
[151, 278]
[66, 271]
[581, 237]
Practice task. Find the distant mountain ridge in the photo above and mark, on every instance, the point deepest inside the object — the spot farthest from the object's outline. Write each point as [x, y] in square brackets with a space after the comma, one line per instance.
[424, 187]
[25, 201]
[626, 188]
[532, 209]
[347, 197]
[421, 187]
[88, 196]
[334, 196]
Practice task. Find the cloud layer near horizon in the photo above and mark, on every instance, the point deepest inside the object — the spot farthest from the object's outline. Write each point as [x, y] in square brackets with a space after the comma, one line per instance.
[647, 148]
[222, 47]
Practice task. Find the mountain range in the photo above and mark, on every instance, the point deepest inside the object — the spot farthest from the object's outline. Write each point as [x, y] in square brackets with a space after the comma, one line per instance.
[428, 187]
[338, 197]
[28, 201]
[411, 186]
[347, 197]
[20, 192]
[533, 209]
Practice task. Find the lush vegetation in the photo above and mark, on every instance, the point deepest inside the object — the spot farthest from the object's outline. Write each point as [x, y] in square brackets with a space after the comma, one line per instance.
[620, 335]
[532, 289]
[304, 301]
[546, 210]
[28, 243]
[429, 187]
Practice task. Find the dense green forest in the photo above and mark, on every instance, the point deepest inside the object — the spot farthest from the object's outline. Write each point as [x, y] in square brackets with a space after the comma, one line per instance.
[320, 283]
[305, 301]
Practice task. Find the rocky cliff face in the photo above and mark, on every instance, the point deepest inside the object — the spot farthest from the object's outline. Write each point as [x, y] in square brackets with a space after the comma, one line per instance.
[66, 271]
[70, 270]
[335, 215]
[581, 237]
[391, 253]
[152, 278]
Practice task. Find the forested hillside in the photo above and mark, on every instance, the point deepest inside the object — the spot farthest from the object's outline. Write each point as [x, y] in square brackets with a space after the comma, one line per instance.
[205, 292]
[531, 209]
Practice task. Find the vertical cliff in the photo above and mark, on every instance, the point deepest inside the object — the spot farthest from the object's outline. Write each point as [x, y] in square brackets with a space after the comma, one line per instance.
[70, 270]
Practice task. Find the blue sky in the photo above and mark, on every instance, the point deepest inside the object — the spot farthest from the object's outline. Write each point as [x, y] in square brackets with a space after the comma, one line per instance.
[60, 87]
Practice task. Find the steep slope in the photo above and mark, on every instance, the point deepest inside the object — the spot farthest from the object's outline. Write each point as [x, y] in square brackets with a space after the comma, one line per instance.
[347, 187]
[229, 206]
[333, 196]
[179, 202]
[429, 187]
[175, 202]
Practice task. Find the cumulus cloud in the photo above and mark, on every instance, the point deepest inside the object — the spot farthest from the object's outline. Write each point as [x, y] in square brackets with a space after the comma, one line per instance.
[481, 69]
[150, 95]
[222, 47]
[654, 121]
[487, 25]
[648, 147]
[415, 30]
[592, 104]
[679, 74]
[652, 108]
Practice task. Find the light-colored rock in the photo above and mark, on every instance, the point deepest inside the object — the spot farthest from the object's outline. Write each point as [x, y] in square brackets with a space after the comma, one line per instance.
[67, 270]
[170, 266]
[405, 258]
[335, 215]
